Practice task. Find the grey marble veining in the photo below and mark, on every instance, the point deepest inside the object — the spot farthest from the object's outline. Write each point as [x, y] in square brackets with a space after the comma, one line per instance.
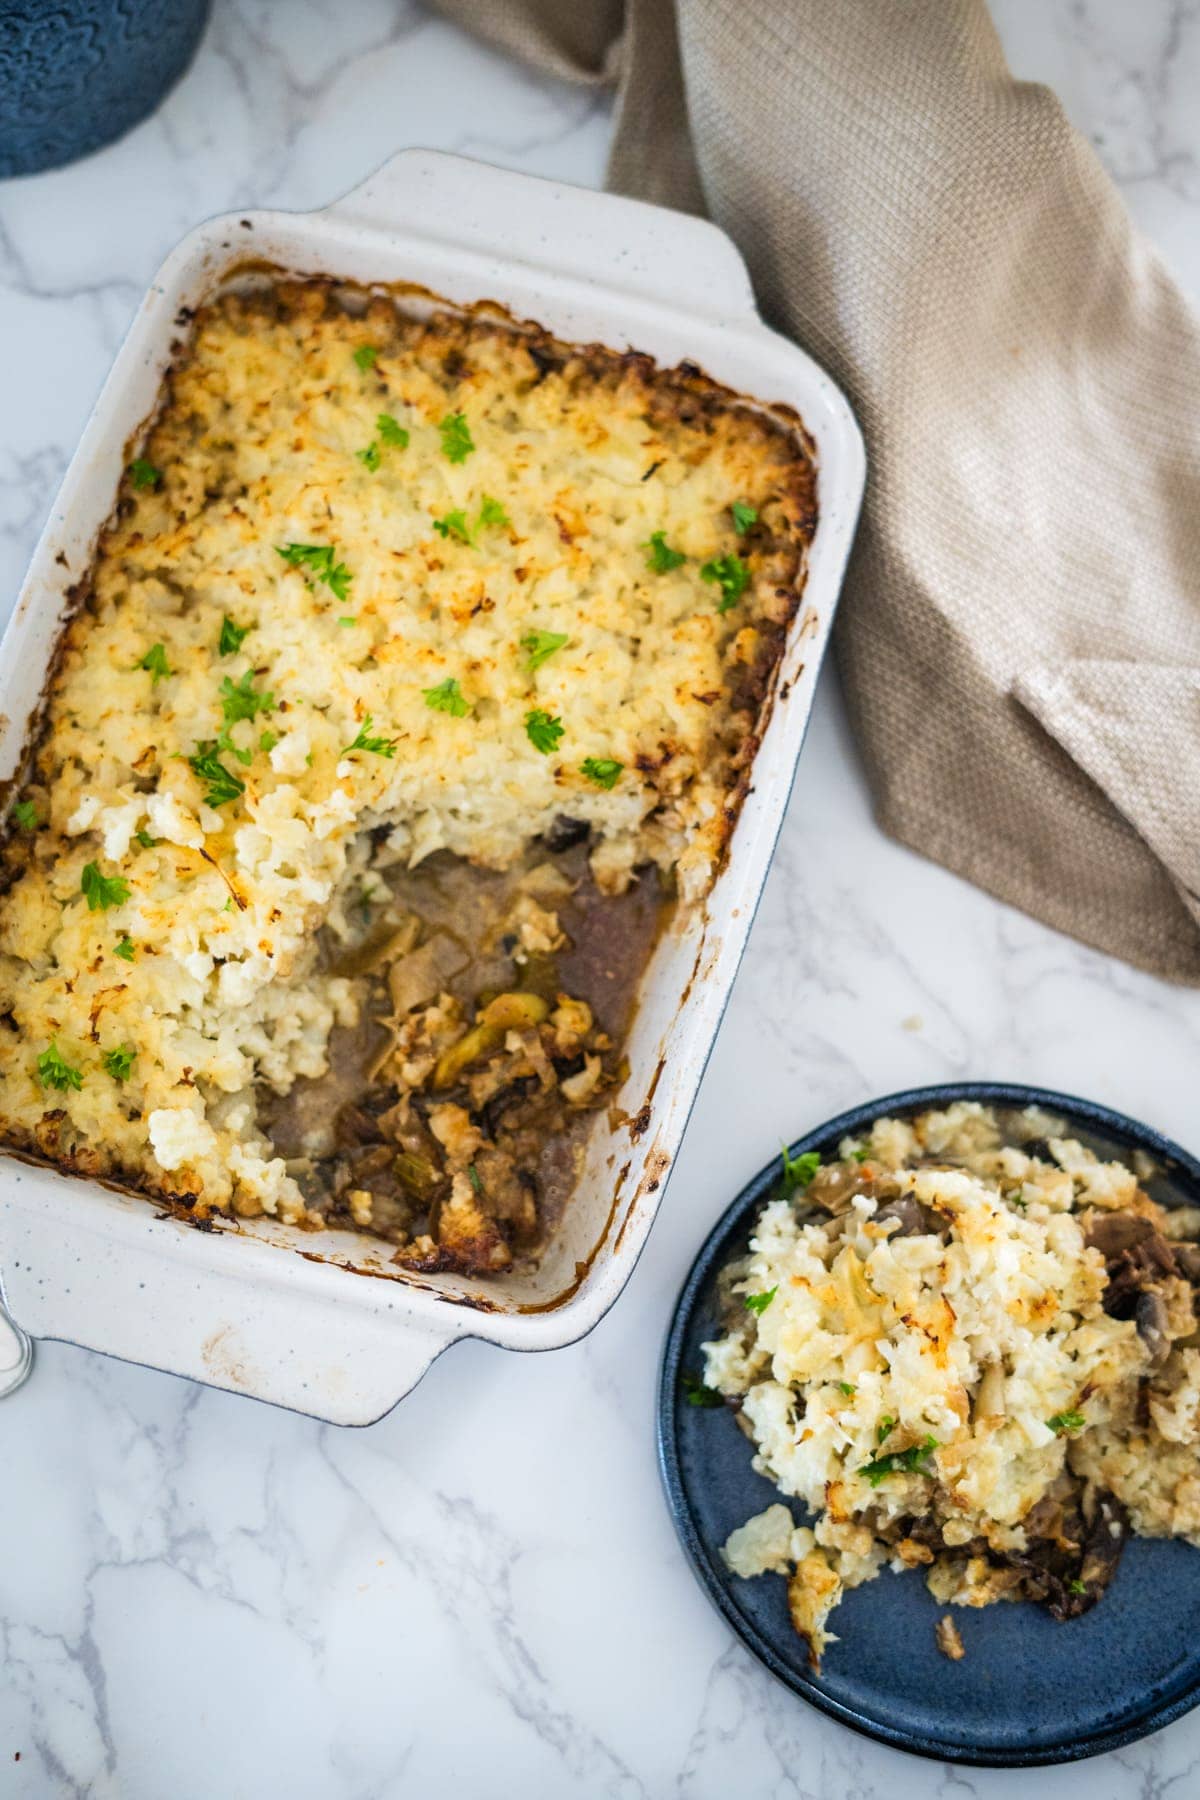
[200, 1596]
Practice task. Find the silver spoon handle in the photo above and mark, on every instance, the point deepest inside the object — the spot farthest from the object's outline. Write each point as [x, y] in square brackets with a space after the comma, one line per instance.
[16, 1354]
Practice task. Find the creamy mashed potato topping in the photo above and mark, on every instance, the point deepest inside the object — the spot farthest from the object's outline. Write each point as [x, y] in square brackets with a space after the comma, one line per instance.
[442, 582]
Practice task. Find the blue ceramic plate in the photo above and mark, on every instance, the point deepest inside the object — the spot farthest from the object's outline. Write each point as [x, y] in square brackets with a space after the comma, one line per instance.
[1029, 1690]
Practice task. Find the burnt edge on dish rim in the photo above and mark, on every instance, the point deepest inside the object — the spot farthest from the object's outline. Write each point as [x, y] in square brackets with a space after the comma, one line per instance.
[720, 1243]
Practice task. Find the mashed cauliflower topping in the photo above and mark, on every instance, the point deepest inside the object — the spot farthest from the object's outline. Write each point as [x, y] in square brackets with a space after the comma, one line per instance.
[970, 1345]
[422, 585]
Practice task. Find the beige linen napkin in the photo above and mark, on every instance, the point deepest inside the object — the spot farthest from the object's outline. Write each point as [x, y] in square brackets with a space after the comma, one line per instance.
[1019, 637]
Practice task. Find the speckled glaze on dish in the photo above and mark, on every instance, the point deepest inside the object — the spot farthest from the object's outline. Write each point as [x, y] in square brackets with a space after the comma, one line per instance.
[325, 1323]
[1029, 1690]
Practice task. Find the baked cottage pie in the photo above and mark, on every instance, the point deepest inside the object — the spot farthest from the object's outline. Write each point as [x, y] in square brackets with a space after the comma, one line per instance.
[418, 674]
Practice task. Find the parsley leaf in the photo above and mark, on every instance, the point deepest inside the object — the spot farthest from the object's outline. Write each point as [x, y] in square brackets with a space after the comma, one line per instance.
[268, 741]
[731, 576]
[319, 559]
[885, 1428]
[119, 1063]
[53, 1072]
[538, 645]
[457, 442]
[901, 1462]
[239, 700]
[102, 891]
[798, 1171]
[231, 636]
[447, 697]
[1076, 1586]
[697, 1393]
[744, 516]
[145, 840]
[848, 1388]
[366, 356]
[862, 1154]
[1066, 1421]
[372, 456]
[492, 513]
[454, 525]
[391, 431]
[155, 663]
[25, 814]
[758, 1303]
[124, 949]
[473, 1178]
[222, 784]
[143, 474]
[661, 557]
[602, 770]
[543, 730]
[378, 746]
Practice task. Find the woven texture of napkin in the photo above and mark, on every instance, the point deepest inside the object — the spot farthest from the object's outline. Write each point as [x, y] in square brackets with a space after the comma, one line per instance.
[1019, 638]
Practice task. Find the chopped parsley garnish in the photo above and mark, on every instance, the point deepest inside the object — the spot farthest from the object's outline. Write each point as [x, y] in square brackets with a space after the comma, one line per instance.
[1066, 1421]
[743, 517]
[145, 840]
[454, 525]
[268, 741]
[543, 730]
[862, 1154]
[372, 456]
[447, 697]
[492, 513]
[1076, 1586]
[378, 746]
[660, 556]
[124, 949]
[366, 356]
[848, 1388]
[731, 576]
[143, 474]
[232, 635]
[25, 814]
[885, 1428]
[758, 1303]
[321, 561]
[348, 619]
[392, 432]
[119, 1063]
[602, 770]
[798, 1171]
[457, 442]
[697, 1393]
[240, 700]
[102, 891]
[155, 663]
[222, 784]
[54, 1072]
[538, 645]
[901, 1462]
[473, 1178]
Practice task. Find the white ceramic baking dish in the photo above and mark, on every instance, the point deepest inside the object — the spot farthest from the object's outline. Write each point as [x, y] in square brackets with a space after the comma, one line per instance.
[325, 1323]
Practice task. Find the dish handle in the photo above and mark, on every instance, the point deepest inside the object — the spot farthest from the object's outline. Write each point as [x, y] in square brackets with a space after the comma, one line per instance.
[217, 1308]
[604, 238]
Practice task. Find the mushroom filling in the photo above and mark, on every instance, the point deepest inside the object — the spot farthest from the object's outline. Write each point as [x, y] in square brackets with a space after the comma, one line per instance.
[492, 1017]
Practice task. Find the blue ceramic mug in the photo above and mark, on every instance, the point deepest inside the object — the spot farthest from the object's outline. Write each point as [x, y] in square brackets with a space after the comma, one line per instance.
[75, 74]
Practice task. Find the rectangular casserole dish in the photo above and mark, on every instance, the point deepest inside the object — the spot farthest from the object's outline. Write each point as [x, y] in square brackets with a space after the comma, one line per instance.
[326, 1324]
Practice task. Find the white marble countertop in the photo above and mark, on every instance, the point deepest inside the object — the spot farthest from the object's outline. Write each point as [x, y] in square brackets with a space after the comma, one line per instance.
[202, 1596]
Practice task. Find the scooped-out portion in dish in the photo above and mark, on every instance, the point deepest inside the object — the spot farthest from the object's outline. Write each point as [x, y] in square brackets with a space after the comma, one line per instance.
[419, 673]
[966, 1346]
